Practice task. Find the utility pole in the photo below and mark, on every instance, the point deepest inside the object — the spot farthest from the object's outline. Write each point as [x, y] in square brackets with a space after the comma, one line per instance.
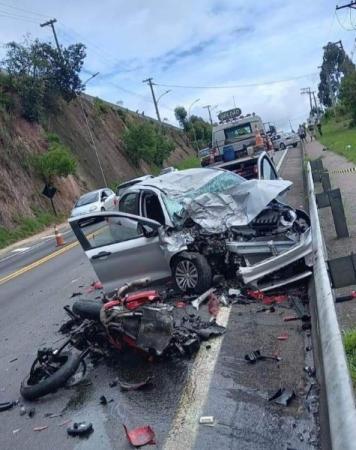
[51, 24]
[307, 91]
[316, 106]
[149, 82]
[208, 108]
[351, 5]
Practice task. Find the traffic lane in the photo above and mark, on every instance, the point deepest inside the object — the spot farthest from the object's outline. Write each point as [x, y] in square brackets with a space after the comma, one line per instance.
[26, 254]
[32, 312]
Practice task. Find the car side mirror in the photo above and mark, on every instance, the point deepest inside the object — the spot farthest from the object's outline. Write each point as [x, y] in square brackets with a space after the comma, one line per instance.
[149, 232]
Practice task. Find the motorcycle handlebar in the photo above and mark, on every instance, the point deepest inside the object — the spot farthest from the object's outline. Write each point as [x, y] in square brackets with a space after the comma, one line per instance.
[137, 283]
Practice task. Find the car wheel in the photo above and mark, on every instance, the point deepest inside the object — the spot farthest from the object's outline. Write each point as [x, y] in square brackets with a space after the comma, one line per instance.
[282, 146]
[192, 273]
[295, 144]
[102, 209]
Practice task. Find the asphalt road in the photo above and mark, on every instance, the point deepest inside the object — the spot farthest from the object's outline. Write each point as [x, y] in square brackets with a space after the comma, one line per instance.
[216, 382]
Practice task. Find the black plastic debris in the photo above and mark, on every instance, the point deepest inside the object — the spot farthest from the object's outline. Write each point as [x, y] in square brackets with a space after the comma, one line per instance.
[310, 371]
[114, 383]
[103, 400]
[31, 412]
[75, 294]
[300, 308]
[282, 397]
[256, 355]
[136, 386]
[6, 405]
[80, 429]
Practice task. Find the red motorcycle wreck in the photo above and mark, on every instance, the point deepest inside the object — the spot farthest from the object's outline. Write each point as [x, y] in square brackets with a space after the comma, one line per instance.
[139, 320]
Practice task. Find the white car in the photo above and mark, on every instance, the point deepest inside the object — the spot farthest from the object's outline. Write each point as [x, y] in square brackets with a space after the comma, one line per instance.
[282, 141]
[94, 201]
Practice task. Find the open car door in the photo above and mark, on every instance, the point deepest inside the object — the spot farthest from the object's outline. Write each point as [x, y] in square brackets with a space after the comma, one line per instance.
[121, 247]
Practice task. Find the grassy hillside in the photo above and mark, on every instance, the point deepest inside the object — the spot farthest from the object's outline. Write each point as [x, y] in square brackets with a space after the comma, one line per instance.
[339, 137]
[23, 208]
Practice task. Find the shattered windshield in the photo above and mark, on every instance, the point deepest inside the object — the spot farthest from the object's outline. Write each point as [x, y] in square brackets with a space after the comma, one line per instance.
[175, 205]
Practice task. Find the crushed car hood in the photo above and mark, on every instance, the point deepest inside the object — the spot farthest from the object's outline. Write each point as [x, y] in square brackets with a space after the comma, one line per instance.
[237, 206]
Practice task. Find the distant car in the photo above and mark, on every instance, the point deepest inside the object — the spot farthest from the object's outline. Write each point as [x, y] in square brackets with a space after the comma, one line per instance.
[99, 200]
[284, 140]
[126, 184]
[168, 170]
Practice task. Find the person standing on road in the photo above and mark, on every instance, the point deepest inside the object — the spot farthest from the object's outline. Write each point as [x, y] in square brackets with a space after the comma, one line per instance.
[301, 133]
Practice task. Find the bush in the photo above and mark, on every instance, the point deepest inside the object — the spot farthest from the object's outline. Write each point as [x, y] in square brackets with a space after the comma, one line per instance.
[100, 106]
[145, 141]
[348, 94]
[57, 161]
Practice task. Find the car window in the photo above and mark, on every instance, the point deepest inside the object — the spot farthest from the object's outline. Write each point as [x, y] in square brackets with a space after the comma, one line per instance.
[110, 230]
[239, 130]
[268, 172]
[86, 199]
[108, 192]
[152, 208]
[129, 203]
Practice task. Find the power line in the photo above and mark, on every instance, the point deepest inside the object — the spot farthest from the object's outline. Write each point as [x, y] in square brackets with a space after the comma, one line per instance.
[236, 85]
[23, 10]
[15, 17]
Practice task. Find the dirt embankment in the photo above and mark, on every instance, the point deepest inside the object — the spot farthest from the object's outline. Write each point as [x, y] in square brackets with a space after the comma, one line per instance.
[20, 187]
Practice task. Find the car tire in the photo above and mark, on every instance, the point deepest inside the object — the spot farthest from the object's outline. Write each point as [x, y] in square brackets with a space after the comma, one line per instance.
[192, 273]
[102, 209]
[295, 144]
[87, 309]
[282, 146]
[70, 363]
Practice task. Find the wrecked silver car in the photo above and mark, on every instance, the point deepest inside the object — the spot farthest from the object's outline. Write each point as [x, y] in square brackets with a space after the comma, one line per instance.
[193, 224]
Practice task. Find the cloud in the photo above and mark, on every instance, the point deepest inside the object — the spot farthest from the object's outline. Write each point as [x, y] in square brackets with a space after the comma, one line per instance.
[180, 42]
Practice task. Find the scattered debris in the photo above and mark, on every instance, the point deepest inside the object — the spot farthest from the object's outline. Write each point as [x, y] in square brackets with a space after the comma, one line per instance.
[310, 371]
[13, 360]
[254, 356]
[271, 309]
[75, 294]
[95, 285]
[103, 400]
[224, 300]
[300, 308]
[114, 383]
[66, 422]
[343, 298]
[80, 429]
[180, 304]
[53, 415]
[22, 411]
[6, 405]
[31, 412]
[267, 299]
[291, 318]
[282, 397]
[199, 300]
[40, 428]
[213, 305]
[234, 292]
[136, 386]
[16, 431]
[283, 336]
[141, 436]
[207, 420]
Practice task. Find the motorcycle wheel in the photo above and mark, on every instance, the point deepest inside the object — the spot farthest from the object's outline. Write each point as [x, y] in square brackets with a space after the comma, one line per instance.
[46, 378]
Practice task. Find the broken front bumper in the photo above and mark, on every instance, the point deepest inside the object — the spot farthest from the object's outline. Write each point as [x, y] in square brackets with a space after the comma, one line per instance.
[251, 274]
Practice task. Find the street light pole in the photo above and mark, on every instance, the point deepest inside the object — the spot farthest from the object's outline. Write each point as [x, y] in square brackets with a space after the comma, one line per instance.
[89, 131]
[164, 93]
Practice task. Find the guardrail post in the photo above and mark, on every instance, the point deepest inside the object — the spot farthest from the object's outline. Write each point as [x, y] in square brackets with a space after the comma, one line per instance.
[325, 181]
[333, 199]
[317, 168]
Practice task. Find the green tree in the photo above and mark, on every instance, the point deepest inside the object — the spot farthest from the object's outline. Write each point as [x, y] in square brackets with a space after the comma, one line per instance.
[181, 115]
[56, 162]
[40, 74]
[336, 64]
[348, 94]
[145, 141]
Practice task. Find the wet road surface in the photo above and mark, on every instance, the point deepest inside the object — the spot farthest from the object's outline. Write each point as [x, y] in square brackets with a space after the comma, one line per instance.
[216, 382]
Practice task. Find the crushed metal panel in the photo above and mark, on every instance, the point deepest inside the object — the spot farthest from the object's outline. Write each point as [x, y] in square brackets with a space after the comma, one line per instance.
[267, 266]
[343, 271]
[156, 328]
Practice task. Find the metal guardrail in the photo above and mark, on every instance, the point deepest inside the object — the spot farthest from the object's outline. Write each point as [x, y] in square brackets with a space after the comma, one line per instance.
[339, 392]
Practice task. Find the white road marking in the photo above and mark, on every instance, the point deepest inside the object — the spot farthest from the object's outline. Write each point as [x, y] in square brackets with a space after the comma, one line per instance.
[185, 425]
[20, 250]
[281, 159]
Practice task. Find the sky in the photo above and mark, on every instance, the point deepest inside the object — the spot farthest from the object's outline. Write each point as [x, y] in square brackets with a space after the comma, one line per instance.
[256, 55]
